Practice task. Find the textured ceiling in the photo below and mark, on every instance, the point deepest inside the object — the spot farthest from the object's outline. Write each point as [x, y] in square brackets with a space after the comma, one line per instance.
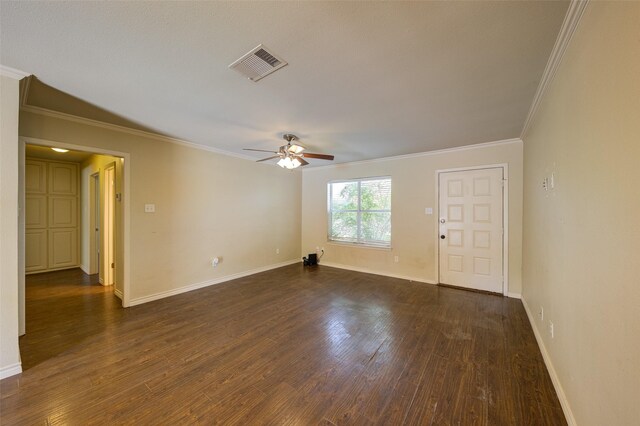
[364, 80]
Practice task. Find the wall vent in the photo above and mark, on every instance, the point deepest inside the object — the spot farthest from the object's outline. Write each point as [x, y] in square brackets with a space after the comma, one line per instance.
[258, 63]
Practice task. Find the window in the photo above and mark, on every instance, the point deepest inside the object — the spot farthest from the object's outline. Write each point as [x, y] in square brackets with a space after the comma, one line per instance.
[360, 211]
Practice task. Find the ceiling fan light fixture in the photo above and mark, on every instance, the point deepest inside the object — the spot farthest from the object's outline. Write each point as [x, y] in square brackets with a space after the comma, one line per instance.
[291, 155]
[288, 163]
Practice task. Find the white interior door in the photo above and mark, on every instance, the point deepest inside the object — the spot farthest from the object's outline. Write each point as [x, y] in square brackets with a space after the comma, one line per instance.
[109, 225]
[471, 229]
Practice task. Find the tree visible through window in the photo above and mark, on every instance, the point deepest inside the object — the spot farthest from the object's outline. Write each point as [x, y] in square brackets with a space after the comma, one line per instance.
[360, 211]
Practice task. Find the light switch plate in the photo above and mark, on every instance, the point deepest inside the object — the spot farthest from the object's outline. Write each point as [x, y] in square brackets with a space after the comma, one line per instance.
[149, 208]
[428, 211]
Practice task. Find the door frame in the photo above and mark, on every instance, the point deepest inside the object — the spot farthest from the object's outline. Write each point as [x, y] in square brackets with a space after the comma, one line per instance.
[126, 214]
[108, 239]
[505, 219]
[94, 223]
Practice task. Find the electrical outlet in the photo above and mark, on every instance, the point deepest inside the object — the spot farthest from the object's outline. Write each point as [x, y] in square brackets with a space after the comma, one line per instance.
[396, 259]
[317, 249]
[545, 184]
[215, 261]
[541, 313]
[551, 333]
[277, 251]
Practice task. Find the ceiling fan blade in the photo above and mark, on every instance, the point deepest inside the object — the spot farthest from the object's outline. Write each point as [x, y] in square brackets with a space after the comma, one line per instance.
[259, 150]
[270, 158]
[319, 156]
[302, 161]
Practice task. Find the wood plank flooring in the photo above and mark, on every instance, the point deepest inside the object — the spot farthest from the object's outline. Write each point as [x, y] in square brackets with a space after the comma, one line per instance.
[317, 346]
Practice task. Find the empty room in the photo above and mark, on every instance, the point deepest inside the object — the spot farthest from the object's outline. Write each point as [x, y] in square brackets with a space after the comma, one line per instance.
[320, 213]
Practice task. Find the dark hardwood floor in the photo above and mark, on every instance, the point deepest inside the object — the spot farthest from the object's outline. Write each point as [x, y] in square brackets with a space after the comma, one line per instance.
[288, 346]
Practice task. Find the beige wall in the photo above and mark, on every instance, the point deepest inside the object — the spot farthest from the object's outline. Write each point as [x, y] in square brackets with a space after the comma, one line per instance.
[88, 259]
[582, 239]
[9, 324]
[207, 205]
[414, 235]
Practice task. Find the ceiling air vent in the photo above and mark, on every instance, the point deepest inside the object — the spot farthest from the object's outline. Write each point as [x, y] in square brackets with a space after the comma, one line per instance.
[258, 63]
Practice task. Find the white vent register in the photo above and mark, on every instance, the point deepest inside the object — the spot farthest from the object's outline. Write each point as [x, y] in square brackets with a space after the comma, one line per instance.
[258, 63]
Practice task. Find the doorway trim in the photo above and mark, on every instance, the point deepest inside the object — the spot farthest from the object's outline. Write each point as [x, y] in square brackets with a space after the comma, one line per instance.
[126, 214]
[108, 224]
[95, 226]
[505, 219]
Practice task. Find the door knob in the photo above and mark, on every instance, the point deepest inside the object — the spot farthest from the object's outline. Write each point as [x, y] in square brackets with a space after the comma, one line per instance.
[442, 237]
[442, 221]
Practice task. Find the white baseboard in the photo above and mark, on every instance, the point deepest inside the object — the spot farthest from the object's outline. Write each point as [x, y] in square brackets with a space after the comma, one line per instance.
[85, 269]
[371, 271]
[118, 293]
[10, 370]
[571, 420]
[514, 295]
[191, 287]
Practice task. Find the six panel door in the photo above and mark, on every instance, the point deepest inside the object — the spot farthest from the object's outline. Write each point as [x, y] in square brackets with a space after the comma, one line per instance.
[471, 229]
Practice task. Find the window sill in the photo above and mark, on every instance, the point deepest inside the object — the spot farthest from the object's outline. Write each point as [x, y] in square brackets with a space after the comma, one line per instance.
[359, 245]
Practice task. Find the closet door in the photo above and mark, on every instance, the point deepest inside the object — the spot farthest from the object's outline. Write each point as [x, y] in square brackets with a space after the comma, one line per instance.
[63, 215]
[36, 245]
[51, 215]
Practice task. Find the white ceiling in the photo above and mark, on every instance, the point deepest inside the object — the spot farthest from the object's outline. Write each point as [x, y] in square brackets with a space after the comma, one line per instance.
[364, 80]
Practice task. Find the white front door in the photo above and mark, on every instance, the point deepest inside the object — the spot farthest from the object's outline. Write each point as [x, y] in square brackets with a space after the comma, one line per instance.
[471, 229]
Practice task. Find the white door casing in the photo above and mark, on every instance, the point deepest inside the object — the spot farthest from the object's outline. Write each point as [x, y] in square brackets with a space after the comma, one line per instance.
[471, 222]
[108, 228]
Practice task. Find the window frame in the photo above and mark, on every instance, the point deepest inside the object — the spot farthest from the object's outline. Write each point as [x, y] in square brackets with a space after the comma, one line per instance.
[358, 242]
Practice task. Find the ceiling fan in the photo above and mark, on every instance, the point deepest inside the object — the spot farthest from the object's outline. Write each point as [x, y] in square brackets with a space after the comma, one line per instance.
[291, 155]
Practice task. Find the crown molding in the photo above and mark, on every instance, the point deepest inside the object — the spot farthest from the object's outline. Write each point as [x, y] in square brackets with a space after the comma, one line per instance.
[16, 74]
[569, 25]
[24, 96]
[418, 154]
[89, 122]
